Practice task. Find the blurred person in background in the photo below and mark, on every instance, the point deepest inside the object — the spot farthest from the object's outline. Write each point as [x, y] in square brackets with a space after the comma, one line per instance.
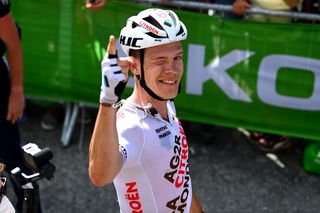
[311, 6]
[95, 4]
[227, 14]
[240, 6]
[265, 141]
[12, 100]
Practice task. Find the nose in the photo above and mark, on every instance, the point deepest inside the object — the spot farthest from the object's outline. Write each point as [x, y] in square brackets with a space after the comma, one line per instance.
[168, 66]
[171, 67]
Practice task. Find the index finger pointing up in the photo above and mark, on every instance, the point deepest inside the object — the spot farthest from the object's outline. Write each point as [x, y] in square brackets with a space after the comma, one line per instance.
[112, 50]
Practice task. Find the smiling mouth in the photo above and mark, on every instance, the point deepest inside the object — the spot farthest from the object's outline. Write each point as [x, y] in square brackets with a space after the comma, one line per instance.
[168, 82]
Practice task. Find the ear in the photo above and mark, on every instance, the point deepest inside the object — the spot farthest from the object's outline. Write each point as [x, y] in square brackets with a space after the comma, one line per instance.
[134, 65]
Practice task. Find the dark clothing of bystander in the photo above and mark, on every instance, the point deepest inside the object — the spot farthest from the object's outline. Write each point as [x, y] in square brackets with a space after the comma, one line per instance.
[10, 147]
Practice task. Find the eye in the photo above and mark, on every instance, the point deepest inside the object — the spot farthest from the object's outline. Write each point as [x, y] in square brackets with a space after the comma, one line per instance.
[178, 58]
[161, 61]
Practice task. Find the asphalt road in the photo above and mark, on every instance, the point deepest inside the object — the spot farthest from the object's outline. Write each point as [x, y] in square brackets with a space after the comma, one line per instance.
[229, 174]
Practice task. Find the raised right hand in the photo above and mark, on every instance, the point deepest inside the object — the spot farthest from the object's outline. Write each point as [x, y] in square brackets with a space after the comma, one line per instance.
[114, 74]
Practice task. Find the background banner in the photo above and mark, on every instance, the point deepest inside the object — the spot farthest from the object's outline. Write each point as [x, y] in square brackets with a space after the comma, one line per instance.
[261, 76]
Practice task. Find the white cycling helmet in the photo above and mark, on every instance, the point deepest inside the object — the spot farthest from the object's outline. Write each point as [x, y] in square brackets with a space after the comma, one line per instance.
[151, 27]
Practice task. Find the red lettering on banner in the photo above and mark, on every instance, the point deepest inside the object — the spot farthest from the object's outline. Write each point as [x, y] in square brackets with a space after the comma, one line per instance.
[132, 195]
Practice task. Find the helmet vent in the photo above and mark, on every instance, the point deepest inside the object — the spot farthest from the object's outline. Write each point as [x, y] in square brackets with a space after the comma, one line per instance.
[168, 24]
[173, 19]
[134, 25]
[155, 36]
[153, 21]
[180, 31]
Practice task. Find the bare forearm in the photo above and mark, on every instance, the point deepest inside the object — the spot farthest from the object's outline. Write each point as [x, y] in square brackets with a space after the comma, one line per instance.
[239, 7]
[195, 204]
[104, 157]
[15, 62]
[10, 37]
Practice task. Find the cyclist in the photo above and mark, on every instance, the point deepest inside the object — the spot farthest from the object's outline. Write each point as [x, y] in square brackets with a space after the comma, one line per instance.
[141, 146]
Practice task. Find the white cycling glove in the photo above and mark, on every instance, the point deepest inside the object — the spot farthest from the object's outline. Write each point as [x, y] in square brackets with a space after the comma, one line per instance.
[113, 80]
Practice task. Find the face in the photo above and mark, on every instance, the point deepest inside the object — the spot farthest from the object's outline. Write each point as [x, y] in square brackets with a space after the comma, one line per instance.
[163, 68]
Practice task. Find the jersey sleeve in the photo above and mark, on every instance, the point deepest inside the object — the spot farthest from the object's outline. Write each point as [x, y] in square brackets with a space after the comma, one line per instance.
[131, 139]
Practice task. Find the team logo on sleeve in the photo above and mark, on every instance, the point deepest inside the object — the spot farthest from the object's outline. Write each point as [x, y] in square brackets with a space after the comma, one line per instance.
[123, 152]
[179, 175]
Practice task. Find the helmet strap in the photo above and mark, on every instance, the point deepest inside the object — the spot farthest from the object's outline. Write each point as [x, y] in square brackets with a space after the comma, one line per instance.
[143, 82]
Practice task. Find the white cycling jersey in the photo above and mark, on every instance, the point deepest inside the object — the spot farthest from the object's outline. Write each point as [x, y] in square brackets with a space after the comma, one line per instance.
[155, 173]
